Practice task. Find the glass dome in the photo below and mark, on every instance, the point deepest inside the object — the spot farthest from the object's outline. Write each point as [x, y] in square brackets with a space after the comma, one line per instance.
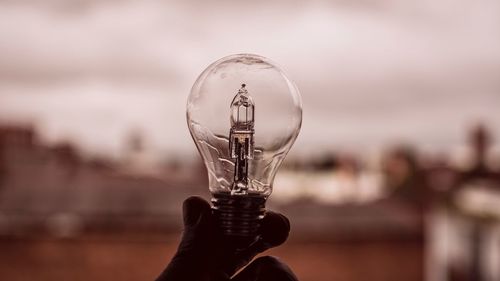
[244, 114]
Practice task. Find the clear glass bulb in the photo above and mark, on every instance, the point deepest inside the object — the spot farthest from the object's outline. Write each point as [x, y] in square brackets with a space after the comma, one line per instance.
[244, 114]
[241, 93]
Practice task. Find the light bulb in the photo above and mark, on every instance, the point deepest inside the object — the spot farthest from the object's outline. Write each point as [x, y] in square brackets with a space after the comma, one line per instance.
[244, 115]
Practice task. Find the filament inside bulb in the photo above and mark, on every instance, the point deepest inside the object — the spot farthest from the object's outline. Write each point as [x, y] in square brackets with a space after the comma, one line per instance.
[241, 138]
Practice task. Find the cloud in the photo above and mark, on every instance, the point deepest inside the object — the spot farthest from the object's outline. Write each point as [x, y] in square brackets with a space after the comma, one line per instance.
[367, 72]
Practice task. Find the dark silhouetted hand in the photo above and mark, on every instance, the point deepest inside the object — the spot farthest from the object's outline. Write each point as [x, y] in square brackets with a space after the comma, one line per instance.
[203, 256]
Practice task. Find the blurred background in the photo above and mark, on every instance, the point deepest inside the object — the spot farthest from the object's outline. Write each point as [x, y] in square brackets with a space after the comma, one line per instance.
[395, 175]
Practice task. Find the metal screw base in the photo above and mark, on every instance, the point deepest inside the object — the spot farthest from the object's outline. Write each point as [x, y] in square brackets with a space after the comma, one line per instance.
[239, 216]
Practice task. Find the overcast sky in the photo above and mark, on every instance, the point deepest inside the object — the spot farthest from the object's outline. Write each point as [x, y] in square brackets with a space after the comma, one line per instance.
[370, 72]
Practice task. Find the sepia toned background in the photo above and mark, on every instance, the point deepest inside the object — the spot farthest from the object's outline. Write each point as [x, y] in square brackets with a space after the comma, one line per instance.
[394, 176]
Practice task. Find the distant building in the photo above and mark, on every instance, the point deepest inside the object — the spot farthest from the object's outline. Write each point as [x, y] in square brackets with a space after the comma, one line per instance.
[41, 183]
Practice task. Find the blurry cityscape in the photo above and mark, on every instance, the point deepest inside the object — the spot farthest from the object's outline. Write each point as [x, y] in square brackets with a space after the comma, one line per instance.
[395, 174]
[54, 188]
[442, 219]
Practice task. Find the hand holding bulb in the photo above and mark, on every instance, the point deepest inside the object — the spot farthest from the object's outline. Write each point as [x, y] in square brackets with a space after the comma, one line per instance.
[204, 255]
[244, 114]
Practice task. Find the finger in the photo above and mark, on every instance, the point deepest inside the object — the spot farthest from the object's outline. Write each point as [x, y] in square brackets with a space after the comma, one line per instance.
[195, 248]
[274, 229]
[198, 227]
[196, 212]
[266, 268]
[273, 232]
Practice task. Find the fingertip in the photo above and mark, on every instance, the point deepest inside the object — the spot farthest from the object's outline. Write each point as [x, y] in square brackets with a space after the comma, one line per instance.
[193, 209]
[274, 229]
[287, 221]
[197, 200]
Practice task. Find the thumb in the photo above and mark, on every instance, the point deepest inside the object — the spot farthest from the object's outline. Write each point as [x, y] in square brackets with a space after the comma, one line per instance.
[198, 228]
[196, 212]
[195, 247]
